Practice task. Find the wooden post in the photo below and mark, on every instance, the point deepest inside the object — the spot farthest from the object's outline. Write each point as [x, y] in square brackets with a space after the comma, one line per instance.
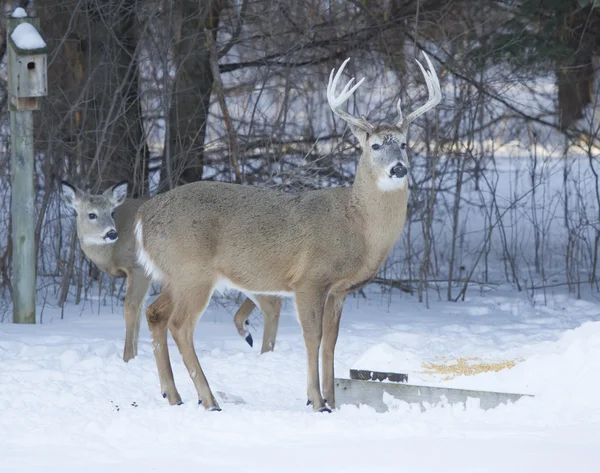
[23, 217]
[26, 82]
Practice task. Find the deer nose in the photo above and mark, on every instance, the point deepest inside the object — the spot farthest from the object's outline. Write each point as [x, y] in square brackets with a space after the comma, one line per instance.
[399, 170]
[111, 235]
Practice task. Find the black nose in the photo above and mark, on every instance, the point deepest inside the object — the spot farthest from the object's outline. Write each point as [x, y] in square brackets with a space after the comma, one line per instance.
[399, 170]
[112, 235]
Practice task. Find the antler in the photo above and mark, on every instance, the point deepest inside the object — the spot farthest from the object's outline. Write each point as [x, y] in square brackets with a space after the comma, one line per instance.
[435, 95]
[336, 102]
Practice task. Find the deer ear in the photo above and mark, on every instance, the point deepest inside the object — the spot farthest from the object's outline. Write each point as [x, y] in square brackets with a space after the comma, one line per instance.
[361, 135]
[117, 193]
[70, 194]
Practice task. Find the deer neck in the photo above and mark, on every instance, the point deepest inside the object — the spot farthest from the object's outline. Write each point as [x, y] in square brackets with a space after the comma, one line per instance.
[380, 214]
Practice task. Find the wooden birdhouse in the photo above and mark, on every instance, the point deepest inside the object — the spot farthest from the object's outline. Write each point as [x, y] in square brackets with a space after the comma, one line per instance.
[27, 62]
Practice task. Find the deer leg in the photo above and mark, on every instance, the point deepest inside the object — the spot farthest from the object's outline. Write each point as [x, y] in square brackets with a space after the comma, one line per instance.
[135, 295]
[270, 306]
[240, 319]
[331, 328]
[187, 311]
[310, 305]
[158, 314]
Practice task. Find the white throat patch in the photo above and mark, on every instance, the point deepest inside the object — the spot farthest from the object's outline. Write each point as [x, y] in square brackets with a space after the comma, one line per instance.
[390, 184]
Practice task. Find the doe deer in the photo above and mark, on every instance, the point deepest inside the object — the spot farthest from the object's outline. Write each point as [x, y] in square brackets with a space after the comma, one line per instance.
[105, 231]
[316, 246]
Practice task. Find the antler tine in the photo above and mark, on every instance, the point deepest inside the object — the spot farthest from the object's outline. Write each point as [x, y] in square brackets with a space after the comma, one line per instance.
[336, 102]
[434, 90]
[399, 108]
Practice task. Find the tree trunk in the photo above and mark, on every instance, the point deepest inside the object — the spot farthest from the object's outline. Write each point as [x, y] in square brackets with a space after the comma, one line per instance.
[183, 158]
[94, 111]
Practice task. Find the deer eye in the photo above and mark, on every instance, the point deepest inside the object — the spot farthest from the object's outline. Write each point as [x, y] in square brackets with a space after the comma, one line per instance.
[375, 146]
[92, 216]
[403, 146]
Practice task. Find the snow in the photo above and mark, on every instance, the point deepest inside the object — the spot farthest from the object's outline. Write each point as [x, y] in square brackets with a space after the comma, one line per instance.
[19, 13]
[26, 37]
[68, 401]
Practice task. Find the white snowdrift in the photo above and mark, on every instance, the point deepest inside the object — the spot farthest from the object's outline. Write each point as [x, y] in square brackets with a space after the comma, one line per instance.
[68, 402]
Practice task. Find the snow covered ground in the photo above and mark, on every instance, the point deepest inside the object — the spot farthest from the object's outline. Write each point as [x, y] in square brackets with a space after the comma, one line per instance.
[69, 403]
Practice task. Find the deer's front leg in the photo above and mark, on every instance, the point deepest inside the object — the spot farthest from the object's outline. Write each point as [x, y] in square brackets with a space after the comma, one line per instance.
[135, 295]
[310, 304]
[331, 328]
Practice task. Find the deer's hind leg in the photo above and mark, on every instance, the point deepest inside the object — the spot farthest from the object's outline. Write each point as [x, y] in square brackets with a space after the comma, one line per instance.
[270, 306]
[240, 319]
[135, 295]
[158, 314]
[188, 308]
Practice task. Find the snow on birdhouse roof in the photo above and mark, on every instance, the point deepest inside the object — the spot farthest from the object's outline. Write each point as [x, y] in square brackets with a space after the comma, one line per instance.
[19, 13]
[27, 38]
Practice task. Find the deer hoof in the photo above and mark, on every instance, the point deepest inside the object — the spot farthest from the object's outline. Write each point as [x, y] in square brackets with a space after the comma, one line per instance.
[249, 339]
[175, 401]
[214, 408]
[322, 409]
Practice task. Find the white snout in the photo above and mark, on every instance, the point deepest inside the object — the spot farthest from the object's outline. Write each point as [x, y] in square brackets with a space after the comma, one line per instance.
[110, 235]
[107, 237]
[390, 182]
[398, 170]
[98, 240]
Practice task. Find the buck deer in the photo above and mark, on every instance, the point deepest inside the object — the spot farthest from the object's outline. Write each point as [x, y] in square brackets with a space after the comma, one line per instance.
[105, 231]
[316, 246]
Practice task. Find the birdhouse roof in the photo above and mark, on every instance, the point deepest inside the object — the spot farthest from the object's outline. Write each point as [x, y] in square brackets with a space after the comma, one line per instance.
[26, 40]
